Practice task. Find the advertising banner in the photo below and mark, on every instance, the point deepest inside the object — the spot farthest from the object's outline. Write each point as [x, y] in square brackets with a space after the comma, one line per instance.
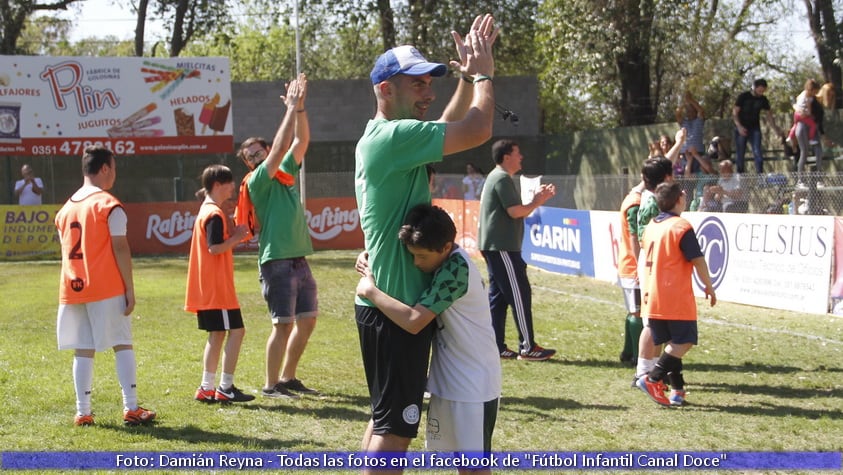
[559, 240]
[166, 228]
[465, 215]
[767, 260]
[605, 239]
[29, 233]
[837, 277]
[135, 106]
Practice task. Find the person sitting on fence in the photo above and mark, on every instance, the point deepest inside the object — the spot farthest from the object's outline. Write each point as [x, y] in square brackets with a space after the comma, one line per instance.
[708, 201]
[728, 188]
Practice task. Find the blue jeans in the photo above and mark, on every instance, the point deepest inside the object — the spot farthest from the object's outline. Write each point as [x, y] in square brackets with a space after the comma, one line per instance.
[754, 138]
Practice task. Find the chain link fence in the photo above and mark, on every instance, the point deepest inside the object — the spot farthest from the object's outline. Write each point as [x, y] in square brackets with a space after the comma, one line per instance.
[774, 193]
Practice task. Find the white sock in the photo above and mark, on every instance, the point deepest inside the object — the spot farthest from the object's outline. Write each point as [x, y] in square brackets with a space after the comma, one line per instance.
[83, 380]
[644, 366]
[208, 380]
[227, 380]
[127, 375]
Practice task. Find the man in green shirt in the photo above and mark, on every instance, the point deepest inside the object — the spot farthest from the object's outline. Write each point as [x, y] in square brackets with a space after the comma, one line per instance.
[499, 240]
[284, 240]
[390, 179]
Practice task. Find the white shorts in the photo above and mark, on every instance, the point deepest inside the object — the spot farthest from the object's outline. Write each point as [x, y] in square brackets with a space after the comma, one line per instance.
[96, 325]
[460, 426]
[631, 294]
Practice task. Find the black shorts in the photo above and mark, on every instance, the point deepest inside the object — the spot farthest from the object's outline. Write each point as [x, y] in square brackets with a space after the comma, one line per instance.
[396, 363]
[219, 320]
[673, 331]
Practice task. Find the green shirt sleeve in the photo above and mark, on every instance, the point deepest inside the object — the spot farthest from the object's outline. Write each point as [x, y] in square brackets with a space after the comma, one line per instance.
[449, 284]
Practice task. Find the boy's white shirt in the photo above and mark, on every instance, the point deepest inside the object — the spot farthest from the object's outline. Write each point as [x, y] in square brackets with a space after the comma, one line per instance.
[465, 365]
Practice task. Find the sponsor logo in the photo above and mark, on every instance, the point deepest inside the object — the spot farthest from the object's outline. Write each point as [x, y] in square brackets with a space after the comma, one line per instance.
[714, 243]
[331, 222]
[172, 231]
[411, 414]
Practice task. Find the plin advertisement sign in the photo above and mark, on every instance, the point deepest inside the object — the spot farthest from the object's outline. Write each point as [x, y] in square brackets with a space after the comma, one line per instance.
[135, 106]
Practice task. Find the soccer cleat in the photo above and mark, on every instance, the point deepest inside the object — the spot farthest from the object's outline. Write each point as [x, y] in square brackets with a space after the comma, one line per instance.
[654, 389]
[133, 417]
[279, 391]
[536, 353]
[296, 385]
[677, 397]
[508, 354]
[205, 395]
[232, 394]
[83, 420]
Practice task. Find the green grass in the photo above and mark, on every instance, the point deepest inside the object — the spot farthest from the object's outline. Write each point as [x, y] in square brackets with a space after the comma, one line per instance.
[761, 379]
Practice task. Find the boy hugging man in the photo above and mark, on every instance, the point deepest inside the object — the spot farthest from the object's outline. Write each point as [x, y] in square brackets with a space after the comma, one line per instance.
[465, 369]
[672, 254]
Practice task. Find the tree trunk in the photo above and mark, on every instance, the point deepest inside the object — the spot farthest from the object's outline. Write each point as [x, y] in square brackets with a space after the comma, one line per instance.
[177, 41]
[633, 63]
[826, 33]
[140, 26]
[387, 19]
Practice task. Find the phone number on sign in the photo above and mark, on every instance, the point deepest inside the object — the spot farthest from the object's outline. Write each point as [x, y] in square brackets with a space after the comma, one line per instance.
[76, 147]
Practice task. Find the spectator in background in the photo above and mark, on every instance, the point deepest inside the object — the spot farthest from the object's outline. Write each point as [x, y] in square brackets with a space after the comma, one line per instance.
[472, 182]
[691, 117]
[746, 114]
[802, 112]
[29, 189]
[707, 201]
[729, 190]
[824, 99]
[661, 147]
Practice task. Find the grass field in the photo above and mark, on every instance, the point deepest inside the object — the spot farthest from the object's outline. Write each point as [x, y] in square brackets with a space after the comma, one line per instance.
[761, 380]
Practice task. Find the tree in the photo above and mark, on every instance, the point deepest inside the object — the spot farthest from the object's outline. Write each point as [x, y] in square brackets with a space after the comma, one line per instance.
[627, 62]
[13, 17]
[828, 38]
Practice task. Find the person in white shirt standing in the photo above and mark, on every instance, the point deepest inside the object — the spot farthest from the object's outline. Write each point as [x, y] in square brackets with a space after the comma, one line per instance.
[29, 190]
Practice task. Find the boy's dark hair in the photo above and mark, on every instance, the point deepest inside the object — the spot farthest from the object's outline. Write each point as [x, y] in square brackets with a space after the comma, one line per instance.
[215, 174]
[655, 171]
[94, 158]
[759, 82]
[428, 227]
[667, 195]
[501, 148]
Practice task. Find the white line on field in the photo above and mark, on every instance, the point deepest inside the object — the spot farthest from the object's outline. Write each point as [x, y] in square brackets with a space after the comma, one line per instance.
[706, 320]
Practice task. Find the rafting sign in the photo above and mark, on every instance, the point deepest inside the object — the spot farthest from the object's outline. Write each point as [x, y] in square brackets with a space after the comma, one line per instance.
[134, 106]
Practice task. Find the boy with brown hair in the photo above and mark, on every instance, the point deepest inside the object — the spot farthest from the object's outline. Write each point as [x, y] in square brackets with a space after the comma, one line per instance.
[672, 254]
[210, 287]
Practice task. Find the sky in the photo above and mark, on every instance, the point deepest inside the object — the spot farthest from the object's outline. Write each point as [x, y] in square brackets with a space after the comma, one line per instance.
[104, 17]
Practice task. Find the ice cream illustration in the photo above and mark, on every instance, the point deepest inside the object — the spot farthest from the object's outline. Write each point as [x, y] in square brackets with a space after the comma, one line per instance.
[207, 113]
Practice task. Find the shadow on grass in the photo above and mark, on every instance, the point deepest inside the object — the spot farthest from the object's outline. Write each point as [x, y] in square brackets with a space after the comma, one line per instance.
[777, 391]
[334, 407]
[193, 434]
[755, 368]
[694, 366]
[771, 410]
[537, 405]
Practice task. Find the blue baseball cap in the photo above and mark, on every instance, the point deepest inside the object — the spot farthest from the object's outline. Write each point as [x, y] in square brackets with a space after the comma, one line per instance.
[404, 60]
